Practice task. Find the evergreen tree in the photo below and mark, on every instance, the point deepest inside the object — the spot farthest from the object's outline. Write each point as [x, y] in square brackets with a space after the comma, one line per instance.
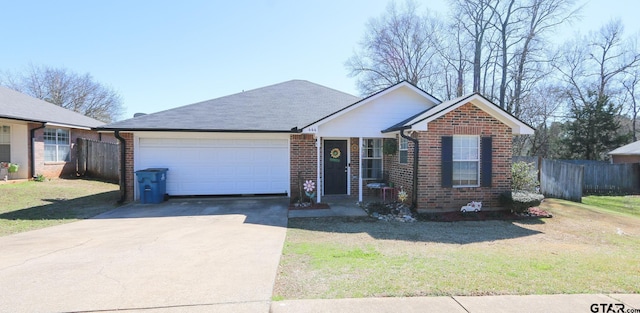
[594, 129]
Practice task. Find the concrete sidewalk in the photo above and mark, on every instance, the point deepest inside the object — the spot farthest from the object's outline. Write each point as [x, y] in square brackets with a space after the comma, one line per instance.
[339, 206]
[497, 304]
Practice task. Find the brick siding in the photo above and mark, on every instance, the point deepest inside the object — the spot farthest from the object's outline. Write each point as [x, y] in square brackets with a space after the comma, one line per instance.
[129, 181]
[466, 120]
[401, 175]
[354, 164]
[304, 162]
[61, 169]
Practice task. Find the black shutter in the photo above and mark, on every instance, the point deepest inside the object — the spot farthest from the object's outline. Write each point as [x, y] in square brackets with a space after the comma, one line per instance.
[447, 161]
[486, 155]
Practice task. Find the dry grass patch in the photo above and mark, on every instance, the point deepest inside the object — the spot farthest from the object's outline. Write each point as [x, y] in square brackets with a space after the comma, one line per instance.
[580, 250]
[31, 205]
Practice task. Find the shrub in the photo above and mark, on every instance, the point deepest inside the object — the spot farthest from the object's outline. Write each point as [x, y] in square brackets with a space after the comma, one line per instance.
[520, 201]
[40, 178]
[524, 176]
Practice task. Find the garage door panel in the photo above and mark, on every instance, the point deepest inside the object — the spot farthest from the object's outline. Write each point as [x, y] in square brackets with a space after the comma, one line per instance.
[218, 166]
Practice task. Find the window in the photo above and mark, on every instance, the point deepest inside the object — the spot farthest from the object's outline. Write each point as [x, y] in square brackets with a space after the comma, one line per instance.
[372, 159]
[5, 143]
[466, 160]
[403, 150]
[56, 145]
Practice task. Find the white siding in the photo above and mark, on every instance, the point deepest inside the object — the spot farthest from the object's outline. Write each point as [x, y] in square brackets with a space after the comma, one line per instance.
[375, 115]
[217, 164]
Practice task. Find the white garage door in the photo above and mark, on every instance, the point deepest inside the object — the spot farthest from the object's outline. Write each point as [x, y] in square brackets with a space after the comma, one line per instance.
[204, 166]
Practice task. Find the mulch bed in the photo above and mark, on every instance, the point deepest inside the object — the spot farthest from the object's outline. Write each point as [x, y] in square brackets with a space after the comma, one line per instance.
[315, 206]
[456, 216]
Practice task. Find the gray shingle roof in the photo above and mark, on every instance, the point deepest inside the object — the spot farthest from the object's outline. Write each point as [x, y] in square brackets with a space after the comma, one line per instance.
[275, 108]
[630, 149]
[18, 106]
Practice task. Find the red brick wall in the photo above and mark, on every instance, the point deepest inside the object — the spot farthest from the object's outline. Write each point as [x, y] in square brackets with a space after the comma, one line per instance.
[625, 158]
[304, 161]
[354, 161]
[129, 181]
[61, 169]
[401, 175]
[466, 120]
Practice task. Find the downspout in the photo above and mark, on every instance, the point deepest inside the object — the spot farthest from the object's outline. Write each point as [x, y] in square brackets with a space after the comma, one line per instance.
[123, 168]
[33, 149]
[416, 153]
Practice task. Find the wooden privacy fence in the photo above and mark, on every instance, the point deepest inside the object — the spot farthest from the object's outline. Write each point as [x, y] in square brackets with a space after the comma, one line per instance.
[98, 159]
[571, 179]
[561, 180]
[612, 178]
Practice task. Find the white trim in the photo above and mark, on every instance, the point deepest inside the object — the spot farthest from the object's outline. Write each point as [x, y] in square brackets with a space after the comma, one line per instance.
[360, 143]
[381, 155]
[517, 126]
[400, 150]
[319, 184]
[348, 166]
[289, 166]
[478, 160]
[136, 161]
[67, 126]
[313, 128]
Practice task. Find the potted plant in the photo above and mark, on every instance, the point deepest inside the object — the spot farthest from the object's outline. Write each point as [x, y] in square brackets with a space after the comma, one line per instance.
[13, 168]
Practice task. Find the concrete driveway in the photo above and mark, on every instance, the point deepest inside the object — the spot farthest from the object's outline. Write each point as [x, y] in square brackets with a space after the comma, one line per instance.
[178, 256]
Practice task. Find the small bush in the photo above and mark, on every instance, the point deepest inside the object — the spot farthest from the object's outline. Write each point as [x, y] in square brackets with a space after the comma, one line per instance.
[40, 178]
[524, 176]
[520, 201]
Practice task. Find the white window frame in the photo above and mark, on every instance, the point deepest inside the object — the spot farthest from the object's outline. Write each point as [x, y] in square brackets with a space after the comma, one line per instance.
[467, 157]
[403, 146]
[57, 144]
[379, 156]
[5, 139]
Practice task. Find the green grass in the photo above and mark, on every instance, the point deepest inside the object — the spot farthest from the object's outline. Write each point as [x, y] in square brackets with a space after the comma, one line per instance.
[579, 250]
[31, 205]
[628, 205]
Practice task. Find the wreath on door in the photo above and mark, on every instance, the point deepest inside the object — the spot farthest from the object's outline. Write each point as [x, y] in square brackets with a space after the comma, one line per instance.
[335, 153]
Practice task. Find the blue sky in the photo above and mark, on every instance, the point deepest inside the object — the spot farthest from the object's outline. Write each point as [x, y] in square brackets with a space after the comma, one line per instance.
[163, 54]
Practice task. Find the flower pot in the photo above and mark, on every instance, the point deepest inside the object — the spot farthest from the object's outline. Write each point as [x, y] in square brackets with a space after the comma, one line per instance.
[13, 168]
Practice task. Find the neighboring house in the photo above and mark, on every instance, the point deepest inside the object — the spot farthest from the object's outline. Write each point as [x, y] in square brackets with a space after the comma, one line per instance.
[626, 154]
[40, 137]
[267, 140]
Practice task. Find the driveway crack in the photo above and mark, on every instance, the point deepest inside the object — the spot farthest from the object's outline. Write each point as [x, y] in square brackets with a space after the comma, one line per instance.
[460, 304]
[47, 254]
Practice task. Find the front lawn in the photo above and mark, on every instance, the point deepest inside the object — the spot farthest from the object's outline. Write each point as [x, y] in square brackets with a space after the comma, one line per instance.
[629, 205]
[31, 205]
[581, 249]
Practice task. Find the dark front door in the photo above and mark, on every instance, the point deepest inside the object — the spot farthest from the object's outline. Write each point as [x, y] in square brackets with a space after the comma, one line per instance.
[335, 167]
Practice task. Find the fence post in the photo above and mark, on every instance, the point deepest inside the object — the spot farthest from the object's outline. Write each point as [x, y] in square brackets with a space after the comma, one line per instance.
[81, 157]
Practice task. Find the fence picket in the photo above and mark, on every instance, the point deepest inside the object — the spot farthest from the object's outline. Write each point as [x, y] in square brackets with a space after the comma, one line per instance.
[98, 159]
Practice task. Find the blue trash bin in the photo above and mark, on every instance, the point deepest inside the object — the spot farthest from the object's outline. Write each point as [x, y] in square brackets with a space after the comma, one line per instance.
[152, 184]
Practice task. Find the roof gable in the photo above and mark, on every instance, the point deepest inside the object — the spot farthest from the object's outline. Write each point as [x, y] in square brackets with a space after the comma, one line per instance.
[518, 127]
[630, 149]
[18, 106]
[276, 108]
[370, 99]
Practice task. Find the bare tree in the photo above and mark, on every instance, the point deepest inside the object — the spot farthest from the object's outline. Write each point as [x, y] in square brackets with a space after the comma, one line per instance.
[454, 52]
[506, 23]
[593, 69]
[60, 86]
[397, 46]
[599, 65]
[476, 18]
[631, 86]
[541, 17]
